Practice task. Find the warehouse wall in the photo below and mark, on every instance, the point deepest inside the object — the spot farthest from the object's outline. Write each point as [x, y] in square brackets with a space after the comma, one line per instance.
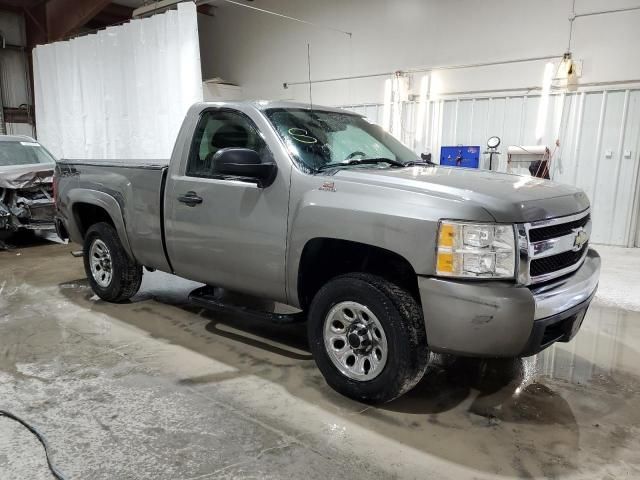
[598, 127]
[14, 84]
[599, 133]
[260, 52]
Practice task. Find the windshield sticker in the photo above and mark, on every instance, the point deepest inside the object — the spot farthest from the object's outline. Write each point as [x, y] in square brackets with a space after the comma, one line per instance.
[301, 135]
[30, 144]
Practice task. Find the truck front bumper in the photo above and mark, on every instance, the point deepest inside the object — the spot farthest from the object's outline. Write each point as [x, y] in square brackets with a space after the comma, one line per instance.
[497, 319]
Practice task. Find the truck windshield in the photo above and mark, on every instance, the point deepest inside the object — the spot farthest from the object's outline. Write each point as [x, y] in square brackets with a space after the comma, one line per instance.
[318, 140]
[23, 153]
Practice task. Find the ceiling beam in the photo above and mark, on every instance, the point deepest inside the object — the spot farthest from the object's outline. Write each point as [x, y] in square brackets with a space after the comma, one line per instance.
[18, 4]
[66, 16]
[206, 9]
[113, 14]
[35, 19]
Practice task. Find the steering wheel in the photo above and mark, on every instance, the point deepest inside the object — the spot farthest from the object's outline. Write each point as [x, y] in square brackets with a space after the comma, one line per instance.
[355, 154]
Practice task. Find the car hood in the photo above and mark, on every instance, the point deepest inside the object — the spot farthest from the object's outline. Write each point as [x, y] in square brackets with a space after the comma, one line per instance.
[507, 197]
[25, 176]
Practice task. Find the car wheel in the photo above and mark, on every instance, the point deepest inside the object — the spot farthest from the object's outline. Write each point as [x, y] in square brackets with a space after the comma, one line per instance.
[113, 276]
[367, 337]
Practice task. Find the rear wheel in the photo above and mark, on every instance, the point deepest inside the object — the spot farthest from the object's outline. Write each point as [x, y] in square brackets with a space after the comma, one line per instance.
[113, 276]
[367, 337]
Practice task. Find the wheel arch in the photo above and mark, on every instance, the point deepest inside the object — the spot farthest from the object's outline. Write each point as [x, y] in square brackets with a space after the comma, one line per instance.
[324, 258]
[89, 207]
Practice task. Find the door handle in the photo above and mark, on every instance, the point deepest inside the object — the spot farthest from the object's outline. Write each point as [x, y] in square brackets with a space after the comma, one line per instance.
[190, 198]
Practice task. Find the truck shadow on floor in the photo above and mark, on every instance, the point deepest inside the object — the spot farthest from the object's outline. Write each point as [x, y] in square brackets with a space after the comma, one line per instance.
[286, 340]
[447, 382]
[283, 339]
[465, 399]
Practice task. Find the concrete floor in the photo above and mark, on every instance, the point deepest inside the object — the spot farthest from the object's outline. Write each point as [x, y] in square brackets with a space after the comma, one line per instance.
[158, 389]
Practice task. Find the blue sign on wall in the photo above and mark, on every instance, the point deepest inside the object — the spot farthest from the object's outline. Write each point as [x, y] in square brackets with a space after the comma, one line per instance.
[460, 156]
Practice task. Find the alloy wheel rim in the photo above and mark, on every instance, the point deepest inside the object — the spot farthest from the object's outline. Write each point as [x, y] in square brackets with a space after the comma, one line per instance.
[355, 341]
[100, 262]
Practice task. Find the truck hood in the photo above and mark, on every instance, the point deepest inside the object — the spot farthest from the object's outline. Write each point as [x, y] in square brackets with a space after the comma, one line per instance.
[25, 176]
[507, 197]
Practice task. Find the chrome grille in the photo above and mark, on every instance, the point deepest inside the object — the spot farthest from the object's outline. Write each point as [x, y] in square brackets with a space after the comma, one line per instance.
[558, 230]
[553, 263]
[552, 248]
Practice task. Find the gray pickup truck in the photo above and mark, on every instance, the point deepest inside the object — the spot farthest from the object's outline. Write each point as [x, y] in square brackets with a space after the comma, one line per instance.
[387, 256]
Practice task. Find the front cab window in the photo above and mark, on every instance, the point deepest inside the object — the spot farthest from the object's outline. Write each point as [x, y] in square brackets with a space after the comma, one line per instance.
[218, 129]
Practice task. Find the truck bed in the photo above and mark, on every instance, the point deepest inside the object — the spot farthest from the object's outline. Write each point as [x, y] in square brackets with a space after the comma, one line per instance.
[138, 189]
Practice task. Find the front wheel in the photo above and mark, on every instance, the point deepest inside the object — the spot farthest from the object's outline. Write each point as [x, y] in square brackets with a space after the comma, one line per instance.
[367, 337]
[113, 276]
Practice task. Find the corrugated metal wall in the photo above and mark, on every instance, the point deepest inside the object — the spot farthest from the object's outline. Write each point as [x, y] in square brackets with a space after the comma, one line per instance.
[599, 133]
[14, 80]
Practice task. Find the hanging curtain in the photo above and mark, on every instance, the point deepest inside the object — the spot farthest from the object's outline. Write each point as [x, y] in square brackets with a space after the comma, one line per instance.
[119, 94]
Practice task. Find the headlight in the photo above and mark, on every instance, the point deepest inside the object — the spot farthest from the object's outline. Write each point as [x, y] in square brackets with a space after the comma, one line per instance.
[476, 250]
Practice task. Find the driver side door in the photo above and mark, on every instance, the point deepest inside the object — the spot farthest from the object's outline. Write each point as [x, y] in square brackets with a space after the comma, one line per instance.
[234, 236]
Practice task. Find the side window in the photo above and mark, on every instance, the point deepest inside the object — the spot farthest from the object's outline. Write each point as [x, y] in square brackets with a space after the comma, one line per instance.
[217, 130]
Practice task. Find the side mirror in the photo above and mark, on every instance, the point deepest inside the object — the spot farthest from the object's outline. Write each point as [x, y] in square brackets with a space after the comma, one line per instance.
[244, 163]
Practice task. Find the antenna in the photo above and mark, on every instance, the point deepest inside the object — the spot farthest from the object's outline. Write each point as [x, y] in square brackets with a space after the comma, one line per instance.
[309, 71]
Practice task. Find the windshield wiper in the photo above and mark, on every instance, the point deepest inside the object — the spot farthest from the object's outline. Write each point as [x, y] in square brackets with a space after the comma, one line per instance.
[360, 161]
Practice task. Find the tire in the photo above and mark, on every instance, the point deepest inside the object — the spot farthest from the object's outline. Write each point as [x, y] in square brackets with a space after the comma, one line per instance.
[125, 275]
[403, 334]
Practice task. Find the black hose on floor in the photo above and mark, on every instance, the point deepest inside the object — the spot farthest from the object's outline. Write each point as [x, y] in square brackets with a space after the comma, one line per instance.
[41, 438]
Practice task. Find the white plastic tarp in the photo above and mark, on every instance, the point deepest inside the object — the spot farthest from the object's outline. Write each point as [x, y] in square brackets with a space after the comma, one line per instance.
[120, 93]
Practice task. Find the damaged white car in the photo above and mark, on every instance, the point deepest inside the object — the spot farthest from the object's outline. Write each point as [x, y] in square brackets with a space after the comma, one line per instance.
[26, 185]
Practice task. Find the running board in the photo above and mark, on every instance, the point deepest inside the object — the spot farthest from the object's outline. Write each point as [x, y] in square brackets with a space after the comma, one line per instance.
[205, 297]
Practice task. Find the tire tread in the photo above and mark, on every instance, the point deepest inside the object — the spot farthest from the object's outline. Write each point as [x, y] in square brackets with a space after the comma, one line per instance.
[129, 274]
[412, 365]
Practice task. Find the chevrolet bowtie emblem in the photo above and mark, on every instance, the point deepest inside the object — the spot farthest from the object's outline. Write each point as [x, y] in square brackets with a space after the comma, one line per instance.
[580, 239]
